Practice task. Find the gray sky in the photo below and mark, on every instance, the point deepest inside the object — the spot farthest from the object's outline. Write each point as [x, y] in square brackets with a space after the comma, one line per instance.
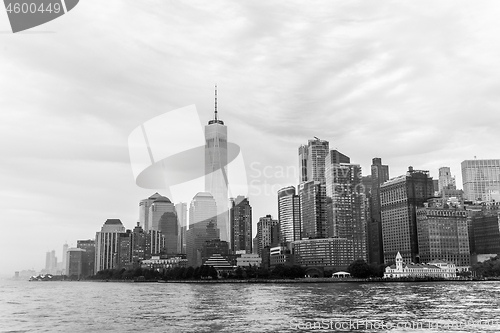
[415, 83]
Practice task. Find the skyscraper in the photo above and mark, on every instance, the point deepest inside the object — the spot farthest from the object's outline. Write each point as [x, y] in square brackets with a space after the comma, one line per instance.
[289, 214]
[442, 235]
[216, 180]
[313, 209]
[345, 189]
[144, 210]
[181, 210]
[75, 262]
[241, 225]
[157, 209]
[446, 180]
[312, 160]
[268, 233]
[88, 260]
[379, 175]
[481, 180]
[64, 257]
[202, 226]
[399, 199]
[106, 245]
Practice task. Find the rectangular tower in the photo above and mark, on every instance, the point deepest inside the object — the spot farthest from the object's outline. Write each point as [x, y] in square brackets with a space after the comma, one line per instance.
[347, 194]
[289, 214]
[400, 198]
[379, 175]
[481, 180]
[241, 225]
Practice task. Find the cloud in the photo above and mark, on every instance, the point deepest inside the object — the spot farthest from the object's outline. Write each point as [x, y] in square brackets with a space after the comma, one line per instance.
[414, 83]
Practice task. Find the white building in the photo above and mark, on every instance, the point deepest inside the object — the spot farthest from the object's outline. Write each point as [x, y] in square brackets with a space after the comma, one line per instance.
[216, 170]
[432, 269]
[249, 260]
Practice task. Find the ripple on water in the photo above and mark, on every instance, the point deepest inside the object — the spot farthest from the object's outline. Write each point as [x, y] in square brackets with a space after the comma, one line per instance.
[127, 307]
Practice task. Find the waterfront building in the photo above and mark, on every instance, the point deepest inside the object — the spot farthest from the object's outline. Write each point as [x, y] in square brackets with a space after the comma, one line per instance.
[443, 235]
[124, 253]
[106, 245]
[181, 211]
[399, 198]
[481, 180]
[214, 246]
[313, 213]
[159, 263]
[221, 264]
[280, 255]
[485, 230]
[435, 269]
[249, 260]
[241, 225]
[312, 160]
[144, 210]
[155, 243]
[75, 263]
[88, 257]
[169, 227]
[345, 189]
[379, 175]
[331, 253]
[268, 233]
[202, 226]
[289, 216]
[216, 177]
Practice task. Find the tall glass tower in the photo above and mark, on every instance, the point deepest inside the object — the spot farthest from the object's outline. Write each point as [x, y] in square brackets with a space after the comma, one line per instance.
[481, 179]
[216, 181]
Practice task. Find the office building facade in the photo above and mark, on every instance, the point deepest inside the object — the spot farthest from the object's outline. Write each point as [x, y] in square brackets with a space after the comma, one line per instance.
[241, 225]
[481, 180]
[289, 214]
[399, 198]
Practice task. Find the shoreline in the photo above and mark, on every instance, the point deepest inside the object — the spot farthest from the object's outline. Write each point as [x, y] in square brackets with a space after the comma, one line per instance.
[292, 281]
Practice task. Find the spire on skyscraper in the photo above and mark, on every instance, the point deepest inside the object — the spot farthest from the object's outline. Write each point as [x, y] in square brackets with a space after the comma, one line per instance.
[215, 120]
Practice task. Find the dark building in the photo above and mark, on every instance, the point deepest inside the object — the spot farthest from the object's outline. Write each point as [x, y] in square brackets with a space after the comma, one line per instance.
[400, 198]
[336, 157]
[379, 175]
[313, 209]
[240, 216]
[124, 250]
[486, 231]
[169, 227]
[88, 257]
[443, 235]
[214, 246]
[74, 263]
[196, 238]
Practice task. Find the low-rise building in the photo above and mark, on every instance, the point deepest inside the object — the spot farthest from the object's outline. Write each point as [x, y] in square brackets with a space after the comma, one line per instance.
[158, 263]
[332, 253]
[434, 269]
[248, 260]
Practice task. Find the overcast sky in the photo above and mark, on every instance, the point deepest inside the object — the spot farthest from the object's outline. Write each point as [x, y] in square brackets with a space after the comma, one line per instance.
[415, 83]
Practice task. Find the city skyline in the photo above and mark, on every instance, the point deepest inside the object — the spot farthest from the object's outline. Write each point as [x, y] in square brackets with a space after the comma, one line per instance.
[66, 118]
